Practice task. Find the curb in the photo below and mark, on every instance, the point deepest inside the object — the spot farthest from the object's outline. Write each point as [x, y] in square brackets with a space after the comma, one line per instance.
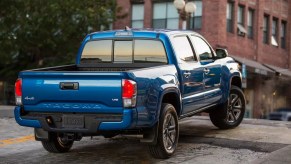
[6, 111]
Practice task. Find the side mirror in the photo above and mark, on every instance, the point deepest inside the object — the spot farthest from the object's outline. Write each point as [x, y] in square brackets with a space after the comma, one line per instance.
[221, 53]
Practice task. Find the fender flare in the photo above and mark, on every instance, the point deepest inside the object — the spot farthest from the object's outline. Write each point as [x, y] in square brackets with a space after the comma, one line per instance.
[228, 86]
[174, 90]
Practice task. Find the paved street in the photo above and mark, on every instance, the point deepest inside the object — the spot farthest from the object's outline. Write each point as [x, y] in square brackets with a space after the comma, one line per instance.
[200, 142]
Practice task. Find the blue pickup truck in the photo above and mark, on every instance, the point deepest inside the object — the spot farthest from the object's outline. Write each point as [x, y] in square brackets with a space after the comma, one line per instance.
[131, 82]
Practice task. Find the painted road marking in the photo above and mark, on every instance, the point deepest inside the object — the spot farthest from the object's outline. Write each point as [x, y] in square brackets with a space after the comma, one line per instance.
[11, 141]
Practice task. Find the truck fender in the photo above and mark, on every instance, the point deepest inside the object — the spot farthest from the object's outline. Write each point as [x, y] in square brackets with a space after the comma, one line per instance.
[235, 79]
[151, 134]
[175, 91]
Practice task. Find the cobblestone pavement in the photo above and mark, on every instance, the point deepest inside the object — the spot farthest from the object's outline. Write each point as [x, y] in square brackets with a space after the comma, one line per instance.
[207, 145]
[124, 151]
[10, 129]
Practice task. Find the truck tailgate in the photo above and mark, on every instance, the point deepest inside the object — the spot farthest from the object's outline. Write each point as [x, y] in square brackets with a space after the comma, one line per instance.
[87, 92]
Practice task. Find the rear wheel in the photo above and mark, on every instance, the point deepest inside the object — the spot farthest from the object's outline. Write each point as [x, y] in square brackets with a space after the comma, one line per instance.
[229, 114]
[168, 133]
[56, 144]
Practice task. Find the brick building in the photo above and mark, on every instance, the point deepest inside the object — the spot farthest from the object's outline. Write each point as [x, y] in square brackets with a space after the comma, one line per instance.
[256, 33]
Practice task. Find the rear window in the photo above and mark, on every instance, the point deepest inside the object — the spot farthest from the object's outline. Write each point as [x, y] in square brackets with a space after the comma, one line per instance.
[124, 51]
[99, 51]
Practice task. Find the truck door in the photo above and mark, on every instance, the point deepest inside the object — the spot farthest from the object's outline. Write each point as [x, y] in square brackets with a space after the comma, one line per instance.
[212, 70]
[191, 74]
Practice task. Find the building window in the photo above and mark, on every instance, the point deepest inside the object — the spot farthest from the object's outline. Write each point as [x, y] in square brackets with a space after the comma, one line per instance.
[137, 15]
[229, 17]
[165, 16]
[241, 31]
[250, 23]
[274, 39]
[196, 17]
[240, 15]
[283, 34]
[266, 29]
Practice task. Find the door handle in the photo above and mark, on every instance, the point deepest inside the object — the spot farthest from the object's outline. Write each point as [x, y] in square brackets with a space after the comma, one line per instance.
[69, 86]
[206, 70]
[187, 74]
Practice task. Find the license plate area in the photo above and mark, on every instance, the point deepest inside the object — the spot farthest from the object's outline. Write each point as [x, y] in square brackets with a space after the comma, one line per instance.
[72, 121]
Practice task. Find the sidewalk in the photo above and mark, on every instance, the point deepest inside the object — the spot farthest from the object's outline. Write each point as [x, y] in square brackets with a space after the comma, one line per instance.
[6, 111]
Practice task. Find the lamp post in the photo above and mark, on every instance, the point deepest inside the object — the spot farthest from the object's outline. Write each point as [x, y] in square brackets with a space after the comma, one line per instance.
[185, 9]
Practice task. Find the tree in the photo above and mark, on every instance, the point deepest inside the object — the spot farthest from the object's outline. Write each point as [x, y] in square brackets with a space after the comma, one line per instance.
[40, 33]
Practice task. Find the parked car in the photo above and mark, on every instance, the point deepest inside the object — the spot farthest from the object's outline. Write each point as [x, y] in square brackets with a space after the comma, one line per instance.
[281, 114]
[133, 82]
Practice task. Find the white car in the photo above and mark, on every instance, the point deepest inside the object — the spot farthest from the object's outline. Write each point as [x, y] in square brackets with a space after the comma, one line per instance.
[281, 114]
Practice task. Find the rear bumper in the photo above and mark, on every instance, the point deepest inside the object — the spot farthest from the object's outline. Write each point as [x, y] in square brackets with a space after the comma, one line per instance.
[92, 123]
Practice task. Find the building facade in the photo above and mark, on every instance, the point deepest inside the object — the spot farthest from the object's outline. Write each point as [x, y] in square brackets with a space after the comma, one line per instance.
[256, 33]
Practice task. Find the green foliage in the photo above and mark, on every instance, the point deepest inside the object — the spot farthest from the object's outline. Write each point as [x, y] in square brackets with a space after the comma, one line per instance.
[40, 33]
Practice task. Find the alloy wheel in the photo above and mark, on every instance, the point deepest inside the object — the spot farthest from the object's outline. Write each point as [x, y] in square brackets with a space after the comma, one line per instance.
[169, 132]
[234, 108]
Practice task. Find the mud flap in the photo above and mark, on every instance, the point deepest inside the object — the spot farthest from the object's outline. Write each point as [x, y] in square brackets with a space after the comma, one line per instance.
[150, 135]
[41, 135]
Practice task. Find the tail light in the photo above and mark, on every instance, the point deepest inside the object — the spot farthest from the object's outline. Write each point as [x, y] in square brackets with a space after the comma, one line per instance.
[18, 92]
[129, 92]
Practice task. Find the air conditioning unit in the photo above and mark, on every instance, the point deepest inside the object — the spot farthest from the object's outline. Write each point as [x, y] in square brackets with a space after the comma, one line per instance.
[241, 31]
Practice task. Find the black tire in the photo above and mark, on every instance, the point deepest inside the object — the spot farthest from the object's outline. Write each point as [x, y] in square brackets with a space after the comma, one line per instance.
[56, 145]
[168, 133]
[229, 114]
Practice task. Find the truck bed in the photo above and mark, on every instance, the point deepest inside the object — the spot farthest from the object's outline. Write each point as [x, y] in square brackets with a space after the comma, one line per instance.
[103, 67]
[43, 91]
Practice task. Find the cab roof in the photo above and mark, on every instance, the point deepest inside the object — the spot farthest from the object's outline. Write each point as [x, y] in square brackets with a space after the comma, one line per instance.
[148, 33]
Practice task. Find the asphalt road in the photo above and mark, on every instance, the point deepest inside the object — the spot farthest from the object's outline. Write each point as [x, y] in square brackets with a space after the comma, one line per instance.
[200, 142]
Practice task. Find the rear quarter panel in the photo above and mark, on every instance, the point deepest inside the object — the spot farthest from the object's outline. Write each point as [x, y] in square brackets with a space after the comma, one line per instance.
[152, 83]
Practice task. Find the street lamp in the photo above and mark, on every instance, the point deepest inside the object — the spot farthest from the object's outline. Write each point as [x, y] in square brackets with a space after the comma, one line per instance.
[185, 10]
